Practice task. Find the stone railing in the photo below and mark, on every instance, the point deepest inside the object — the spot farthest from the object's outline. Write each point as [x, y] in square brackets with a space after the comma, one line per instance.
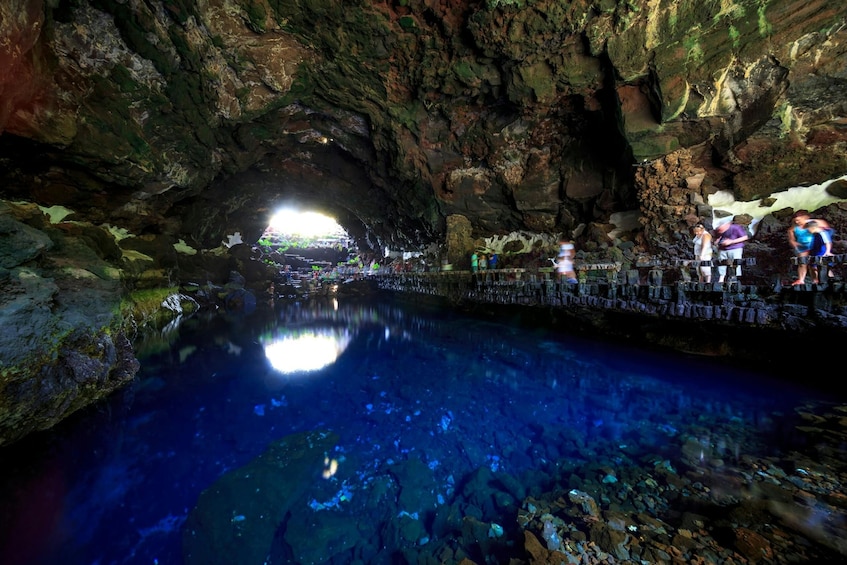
[630, 291]
[688, 269]
[828, 266]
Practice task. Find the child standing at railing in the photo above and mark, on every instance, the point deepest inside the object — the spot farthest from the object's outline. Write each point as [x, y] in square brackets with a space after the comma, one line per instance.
[821, 244]
[800, 239]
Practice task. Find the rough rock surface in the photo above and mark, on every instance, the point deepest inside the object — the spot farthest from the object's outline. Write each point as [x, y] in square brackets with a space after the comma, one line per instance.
[192, 119]
[62, 343]
[719, 517]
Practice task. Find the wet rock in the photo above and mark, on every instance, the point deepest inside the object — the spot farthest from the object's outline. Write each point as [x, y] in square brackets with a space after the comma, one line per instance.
[327, 534]
[751, 545]
[610, 540]
[684, 541]
[410, 529]
[586, 504]
[479, 534]
[760, 513]
[19, 243]
[62, 343]
[413, 476]
[534, 548]
[235, 519]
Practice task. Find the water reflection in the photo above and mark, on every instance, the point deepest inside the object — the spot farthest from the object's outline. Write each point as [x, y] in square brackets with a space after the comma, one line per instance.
[424, 436]
[305, 350]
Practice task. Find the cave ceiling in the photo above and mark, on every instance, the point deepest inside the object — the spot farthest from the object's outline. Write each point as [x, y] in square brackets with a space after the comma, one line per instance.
[195, 119]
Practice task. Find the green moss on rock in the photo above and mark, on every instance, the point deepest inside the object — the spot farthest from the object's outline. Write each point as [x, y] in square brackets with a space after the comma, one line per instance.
[144, 307]
[533, 83]
[407, 22]
[496, 4]
[256, 14]
[92, 363]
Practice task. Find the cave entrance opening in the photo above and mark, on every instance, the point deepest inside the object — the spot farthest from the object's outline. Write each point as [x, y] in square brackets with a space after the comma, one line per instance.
[305, 244]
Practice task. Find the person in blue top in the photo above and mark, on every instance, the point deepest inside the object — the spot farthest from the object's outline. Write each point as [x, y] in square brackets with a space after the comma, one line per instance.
[800, 239]
[821, 244]
[492, 261]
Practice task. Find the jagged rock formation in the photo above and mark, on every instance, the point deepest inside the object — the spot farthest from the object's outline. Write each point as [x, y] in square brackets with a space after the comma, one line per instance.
[173, 125]
[395, 115]
[62, 344]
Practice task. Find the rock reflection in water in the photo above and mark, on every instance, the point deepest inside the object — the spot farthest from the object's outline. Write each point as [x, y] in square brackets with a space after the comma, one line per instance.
[451, 438]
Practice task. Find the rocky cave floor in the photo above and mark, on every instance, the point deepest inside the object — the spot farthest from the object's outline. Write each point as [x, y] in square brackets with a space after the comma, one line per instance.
[702, 496]
[736, 509]
[715, 510]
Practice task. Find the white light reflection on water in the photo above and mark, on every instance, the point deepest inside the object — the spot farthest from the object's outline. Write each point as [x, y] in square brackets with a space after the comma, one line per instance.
[306, 350]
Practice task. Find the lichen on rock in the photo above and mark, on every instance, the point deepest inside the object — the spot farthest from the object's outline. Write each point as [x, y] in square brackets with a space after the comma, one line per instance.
[63, 345]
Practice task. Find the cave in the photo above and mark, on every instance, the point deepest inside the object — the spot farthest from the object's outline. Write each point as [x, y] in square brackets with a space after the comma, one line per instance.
[145, 145]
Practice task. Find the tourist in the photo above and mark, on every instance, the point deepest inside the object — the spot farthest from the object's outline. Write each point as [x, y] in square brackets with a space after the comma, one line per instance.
[703, 251]
[564, 262]
[800, 240]
[821, 244]
[730, 239]
[474, 262]
[483, 262]
[492, 261]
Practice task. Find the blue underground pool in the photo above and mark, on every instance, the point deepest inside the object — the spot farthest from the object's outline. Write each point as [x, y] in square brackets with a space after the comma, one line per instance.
[364, 431]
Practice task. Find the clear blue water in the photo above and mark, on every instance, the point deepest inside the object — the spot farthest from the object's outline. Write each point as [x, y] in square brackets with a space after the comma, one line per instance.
[427, 405]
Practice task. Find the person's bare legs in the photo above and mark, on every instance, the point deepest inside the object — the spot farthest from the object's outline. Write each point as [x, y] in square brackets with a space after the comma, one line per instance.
[802, 269]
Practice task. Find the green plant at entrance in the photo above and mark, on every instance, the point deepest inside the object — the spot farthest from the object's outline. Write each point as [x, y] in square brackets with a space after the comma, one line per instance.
[494, 4]
[265, 243]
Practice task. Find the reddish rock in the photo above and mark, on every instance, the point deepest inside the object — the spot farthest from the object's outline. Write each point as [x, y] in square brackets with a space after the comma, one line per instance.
[751, 545]
[536, 550]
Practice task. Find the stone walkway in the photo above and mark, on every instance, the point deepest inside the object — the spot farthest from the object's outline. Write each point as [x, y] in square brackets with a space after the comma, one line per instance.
[633, 292]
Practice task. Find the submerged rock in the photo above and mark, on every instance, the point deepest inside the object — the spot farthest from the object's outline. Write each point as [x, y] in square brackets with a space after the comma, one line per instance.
[237, 518]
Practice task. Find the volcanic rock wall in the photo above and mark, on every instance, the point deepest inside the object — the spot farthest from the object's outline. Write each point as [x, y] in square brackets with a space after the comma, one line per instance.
[395, 115]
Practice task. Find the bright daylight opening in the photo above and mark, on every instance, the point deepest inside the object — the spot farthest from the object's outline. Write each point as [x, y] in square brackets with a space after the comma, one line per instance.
[305, 224]
[310, 252]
